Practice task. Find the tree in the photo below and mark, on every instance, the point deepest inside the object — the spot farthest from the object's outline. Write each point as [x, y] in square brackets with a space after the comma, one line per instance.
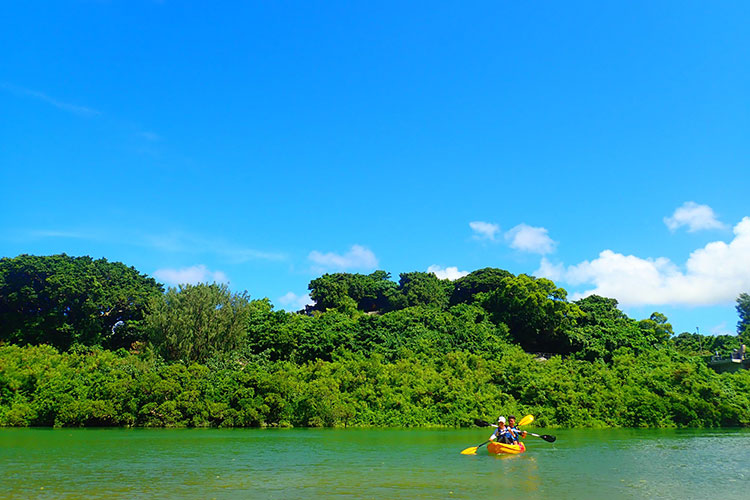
[536, 311]
[375, 292]
[61, 300]
[692, 343]
[368, 292]
[330, 290]
[702, 345]
[743, 325]
[274, 333]
[480, 281]
[194, 322]
[424, 289]
[604, 329]
[656, 329]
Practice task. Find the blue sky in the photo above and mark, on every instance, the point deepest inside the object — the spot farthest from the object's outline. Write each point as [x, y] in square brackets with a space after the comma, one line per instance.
[603, 145]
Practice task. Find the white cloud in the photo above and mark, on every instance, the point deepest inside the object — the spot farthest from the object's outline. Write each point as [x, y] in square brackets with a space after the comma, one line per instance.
[720, 329]
[530, 239]
[190, 275]
[547, 269]
[52, 233]
[296, 302]
[451, 273]
[41, 96]
[714, 274]
[169, 242]
[696, 217]
[358, 257]
[484, 230]
[177, 242]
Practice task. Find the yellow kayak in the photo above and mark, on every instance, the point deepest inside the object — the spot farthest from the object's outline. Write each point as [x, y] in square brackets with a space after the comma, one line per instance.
[512, 449]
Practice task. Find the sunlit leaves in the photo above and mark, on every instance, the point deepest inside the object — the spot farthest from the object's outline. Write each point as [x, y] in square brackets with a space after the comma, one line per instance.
[194, 322]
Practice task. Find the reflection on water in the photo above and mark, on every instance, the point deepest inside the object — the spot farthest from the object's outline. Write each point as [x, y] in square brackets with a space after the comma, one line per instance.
[371, 463]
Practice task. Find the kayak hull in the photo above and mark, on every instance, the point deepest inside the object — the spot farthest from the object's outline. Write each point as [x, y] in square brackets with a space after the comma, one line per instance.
[502, 448]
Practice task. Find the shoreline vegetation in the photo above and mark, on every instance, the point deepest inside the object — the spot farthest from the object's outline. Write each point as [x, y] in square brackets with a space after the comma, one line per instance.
[88, 342]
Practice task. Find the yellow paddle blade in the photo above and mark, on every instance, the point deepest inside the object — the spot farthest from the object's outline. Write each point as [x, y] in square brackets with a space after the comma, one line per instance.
[526, 420]
[470, 451]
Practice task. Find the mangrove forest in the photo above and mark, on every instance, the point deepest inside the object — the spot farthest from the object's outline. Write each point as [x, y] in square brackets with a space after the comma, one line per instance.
[89, 342]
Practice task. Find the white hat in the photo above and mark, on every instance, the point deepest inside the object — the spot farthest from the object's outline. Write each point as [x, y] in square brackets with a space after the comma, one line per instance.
[501, 419]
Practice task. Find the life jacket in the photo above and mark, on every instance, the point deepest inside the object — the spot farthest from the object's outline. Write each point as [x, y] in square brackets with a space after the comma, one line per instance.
[515, 433]
[505, 436]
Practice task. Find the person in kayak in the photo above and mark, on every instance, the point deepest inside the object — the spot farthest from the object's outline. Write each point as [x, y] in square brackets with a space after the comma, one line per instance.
[515, 431]
[502, 434]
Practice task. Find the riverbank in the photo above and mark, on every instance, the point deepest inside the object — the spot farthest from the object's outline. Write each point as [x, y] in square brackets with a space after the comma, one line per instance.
[40, 386]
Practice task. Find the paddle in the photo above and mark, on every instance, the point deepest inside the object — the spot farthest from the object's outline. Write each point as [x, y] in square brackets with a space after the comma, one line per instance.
[546, 437]
[526, 420]
[473, 450]
[481, 423]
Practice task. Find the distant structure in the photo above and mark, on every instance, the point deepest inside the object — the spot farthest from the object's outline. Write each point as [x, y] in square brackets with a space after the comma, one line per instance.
[737, 361]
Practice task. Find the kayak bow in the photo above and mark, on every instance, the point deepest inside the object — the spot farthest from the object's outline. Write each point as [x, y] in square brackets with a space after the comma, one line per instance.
[511, 449]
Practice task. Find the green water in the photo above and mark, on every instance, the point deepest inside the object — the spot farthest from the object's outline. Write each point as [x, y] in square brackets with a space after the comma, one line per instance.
[302, 463]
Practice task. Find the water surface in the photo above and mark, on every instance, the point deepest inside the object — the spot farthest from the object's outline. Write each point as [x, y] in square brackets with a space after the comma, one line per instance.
[371, 463]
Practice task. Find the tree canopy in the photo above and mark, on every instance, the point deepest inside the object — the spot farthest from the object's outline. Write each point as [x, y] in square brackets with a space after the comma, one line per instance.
[344, 291]
[536, 311]
[62, 300]
[483, 280]
[424, 289]
[194, 322]
[743, 310]
[371, 351]
[604, 328]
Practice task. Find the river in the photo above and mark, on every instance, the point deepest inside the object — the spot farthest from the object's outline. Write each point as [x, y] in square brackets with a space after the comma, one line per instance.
[370, 463]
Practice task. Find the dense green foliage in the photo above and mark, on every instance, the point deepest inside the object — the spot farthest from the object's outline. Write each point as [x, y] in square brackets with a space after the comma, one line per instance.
[39, 386]
[61, 300]
[424, 289]
[423, 351]
[194, 322]
[603, 328]
[348, 292]
[485, 280]
[704, 345]
[743, 310]
[402, 333]
[536, 311]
